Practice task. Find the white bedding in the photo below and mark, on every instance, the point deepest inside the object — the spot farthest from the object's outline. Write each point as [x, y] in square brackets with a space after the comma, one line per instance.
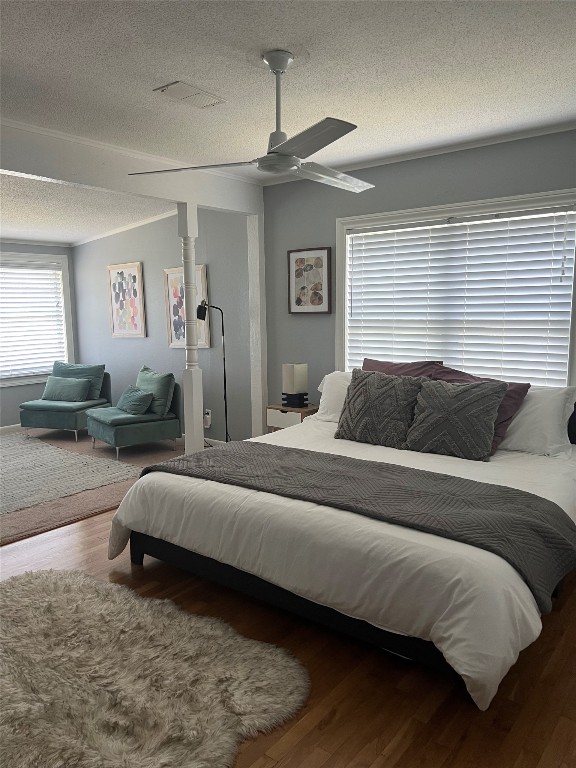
[470, 603]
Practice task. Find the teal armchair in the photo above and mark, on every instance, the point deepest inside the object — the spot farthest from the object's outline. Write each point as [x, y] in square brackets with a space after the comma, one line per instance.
[65, 414]
[121, 429]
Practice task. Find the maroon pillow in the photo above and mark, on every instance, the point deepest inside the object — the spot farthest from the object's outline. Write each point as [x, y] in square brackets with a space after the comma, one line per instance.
[418, 368]
[508, 407]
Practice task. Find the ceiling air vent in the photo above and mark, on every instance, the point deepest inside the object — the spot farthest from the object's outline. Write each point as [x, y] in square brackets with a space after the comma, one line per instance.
[191, 94]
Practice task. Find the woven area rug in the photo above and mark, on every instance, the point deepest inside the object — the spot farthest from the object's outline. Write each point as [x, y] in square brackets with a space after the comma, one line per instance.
[34, 472]
[97, 677]
[43, 487]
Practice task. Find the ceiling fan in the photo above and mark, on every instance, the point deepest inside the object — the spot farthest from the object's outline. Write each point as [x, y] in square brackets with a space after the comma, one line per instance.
[285, 155]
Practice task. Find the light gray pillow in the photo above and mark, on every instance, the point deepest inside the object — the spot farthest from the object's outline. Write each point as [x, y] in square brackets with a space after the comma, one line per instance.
[456, 419]
[378, 408]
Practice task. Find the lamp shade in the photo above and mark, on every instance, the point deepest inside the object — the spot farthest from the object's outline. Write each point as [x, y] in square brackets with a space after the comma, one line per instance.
[294, 378]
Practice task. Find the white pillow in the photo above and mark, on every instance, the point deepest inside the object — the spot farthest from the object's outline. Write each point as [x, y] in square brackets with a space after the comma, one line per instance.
[541, 423]
[333, 387]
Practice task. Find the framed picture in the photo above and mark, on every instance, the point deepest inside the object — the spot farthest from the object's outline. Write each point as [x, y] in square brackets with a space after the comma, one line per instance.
[174, 298]
[126, 300]
[309, 280]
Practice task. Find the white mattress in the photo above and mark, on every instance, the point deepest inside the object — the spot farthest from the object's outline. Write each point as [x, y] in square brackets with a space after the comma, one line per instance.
[472, 604]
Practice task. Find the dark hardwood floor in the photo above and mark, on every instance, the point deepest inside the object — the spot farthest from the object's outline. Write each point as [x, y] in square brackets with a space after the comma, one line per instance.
[366, 709]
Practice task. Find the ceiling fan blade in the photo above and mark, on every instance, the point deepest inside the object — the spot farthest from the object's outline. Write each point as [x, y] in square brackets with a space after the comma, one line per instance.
[324, 175]
[193, 168]
[314, 138]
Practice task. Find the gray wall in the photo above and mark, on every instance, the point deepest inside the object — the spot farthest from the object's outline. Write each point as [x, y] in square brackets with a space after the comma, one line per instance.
[303, 215]
[222, 245]
[11, 397]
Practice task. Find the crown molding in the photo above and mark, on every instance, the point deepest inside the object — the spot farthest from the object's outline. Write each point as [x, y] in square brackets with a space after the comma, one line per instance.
[51, 244]
[78, 185]
[461, 146]
[73, 244]
[401, 157]
[126, 227]
[82, 140]
[441, 150]
[132, 153]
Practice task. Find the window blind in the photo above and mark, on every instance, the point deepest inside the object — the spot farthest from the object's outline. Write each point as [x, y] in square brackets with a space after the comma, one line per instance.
[32, 321]
[491, 295]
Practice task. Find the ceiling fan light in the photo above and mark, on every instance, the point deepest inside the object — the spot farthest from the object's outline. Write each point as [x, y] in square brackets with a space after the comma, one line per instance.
[275, 163]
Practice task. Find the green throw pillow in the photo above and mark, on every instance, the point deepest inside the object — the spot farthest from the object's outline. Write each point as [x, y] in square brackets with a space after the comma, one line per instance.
[67, 389]
[134, 400]
[94, 374]
[161, 385]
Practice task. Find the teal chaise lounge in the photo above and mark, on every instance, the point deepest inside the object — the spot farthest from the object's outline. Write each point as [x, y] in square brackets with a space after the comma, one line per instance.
[146, 413]
[71, 390]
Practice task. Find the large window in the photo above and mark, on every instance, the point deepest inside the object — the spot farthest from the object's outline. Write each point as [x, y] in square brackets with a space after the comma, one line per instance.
[34, 326]
[488, 293]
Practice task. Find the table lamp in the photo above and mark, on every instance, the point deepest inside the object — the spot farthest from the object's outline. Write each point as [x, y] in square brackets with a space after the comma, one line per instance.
[295, 385]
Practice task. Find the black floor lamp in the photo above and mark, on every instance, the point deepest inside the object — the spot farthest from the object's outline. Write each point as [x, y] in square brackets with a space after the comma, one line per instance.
[201, 310]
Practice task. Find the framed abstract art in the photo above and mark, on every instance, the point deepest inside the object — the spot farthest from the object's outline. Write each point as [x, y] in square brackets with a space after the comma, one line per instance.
[309, 280]
[174, 298]
[127, 318]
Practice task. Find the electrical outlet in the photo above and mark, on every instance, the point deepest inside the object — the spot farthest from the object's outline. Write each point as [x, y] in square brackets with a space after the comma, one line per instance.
[207, 418]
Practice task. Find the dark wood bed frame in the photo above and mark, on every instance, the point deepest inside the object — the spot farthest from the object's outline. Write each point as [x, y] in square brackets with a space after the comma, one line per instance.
[411, 648]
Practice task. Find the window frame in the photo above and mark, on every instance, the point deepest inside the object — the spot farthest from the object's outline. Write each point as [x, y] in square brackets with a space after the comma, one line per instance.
[493, 206]
[61, 262]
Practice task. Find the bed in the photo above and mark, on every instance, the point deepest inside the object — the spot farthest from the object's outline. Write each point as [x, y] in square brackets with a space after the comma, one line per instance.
[413, 592]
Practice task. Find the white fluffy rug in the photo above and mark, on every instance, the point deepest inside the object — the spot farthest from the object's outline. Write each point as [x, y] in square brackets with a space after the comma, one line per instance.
[95, 676]
[34, 472]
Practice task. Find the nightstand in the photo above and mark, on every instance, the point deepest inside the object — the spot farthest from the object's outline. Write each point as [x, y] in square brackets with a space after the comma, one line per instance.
[280, 416]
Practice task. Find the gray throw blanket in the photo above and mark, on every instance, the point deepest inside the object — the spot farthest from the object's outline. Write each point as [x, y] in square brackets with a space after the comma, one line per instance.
[532, 534]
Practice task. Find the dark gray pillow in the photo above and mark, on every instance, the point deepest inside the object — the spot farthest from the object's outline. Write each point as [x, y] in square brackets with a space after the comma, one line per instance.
[378, 408]
[456, 419]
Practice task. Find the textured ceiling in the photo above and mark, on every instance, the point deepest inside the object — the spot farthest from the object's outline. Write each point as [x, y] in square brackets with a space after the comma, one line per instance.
[414, 76]
[45, 212]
